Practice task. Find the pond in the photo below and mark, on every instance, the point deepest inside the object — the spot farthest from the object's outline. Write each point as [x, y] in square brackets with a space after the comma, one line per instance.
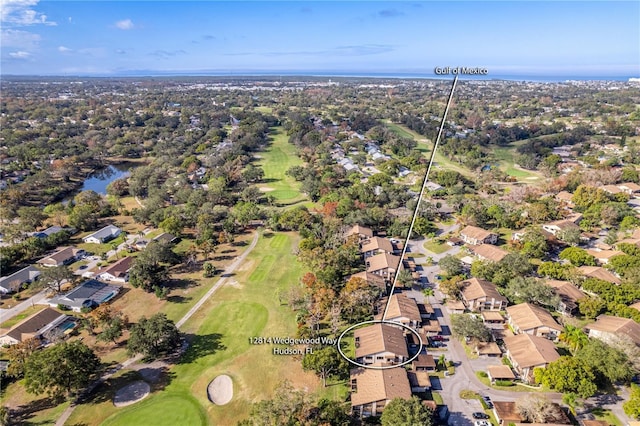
[100, 179]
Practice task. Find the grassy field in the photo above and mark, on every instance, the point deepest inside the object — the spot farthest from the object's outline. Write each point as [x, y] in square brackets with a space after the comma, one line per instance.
[275, 161]
[425, 146]
[435, 247]
[22, 315]
[247, 306]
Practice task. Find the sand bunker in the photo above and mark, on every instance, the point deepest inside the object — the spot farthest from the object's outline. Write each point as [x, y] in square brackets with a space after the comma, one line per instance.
[131, 393]
[220, 390]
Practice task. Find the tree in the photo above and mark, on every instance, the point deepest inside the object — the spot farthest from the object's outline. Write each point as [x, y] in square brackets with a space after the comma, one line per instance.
[31, 217]
[530, 290]
[470, 326]
[18, 355]
[406, 412]
[609, 364]
[556, 270]
[591, 307]
[535, 408]
[153, 336]
[288, 407]
[61, 370]
[570, 236]
[83, 217]
[422, 226]
[452, 286]
[405, 279]
[568, 374]
[53, 277]
[451, 265]
[357, 299]
[326, 362]
[173, 225]
[632, 406]
[574, 337]
[534, 243]
[577, 256]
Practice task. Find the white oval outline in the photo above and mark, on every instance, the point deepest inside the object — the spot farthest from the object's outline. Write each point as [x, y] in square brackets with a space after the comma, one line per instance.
[379, 367]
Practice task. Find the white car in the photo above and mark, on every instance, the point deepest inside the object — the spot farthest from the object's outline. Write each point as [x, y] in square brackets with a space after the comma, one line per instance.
[481, 423]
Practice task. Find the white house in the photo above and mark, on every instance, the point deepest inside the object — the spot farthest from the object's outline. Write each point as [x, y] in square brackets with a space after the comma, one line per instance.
[103, 235]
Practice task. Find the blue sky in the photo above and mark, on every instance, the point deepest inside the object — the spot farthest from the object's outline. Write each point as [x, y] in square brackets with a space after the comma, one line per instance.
[507, 37]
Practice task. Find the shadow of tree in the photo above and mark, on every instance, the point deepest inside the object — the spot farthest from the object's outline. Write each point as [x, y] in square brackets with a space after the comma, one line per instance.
[107, 389]
[178, 299]
[23, 413]
[201, 345]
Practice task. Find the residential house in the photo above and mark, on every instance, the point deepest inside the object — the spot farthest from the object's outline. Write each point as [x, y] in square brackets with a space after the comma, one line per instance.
[500, 372]
[87, 295]
[526, 352]
[362, 232]
[383, 264]
[568, 295]
[489, 252]
[375, 245]
[118, 271]
[419, 381]
[479, 295]
[372, 390]
[506, 412]
[64, 256]
[610, 328]
[565, 197]
[430, 328]
[531, 319]
[611, 189]
[426, 311]
[13, 282]
[424, 362]
[599, 273]
[33, 327]
[47, 232]
[371, 279]
[492, 317]
[630, 188]
[380, 344]
[404, 310]
[476, 236]
[166, 238]
[103, 235]
[603, 256]
[455, 306]
[489, 349]
[559, 226]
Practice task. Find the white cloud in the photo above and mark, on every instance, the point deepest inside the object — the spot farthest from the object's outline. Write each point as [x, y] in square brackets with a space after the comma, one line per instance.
[19, 39]
[20, 13]
[64, 49]
[20, 54]
[125, 24]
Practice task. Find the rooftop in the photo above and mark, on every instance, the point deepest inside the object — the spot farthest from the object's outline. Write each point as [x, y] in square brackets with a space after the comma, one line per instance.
[380, 338]
[529, 351]
[527, 316]
[379, 385]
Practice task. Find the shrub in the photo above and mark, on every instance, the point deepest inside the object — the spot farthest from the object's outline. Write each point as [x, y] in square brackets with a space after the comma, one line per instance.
[483, 374]
[503, 383]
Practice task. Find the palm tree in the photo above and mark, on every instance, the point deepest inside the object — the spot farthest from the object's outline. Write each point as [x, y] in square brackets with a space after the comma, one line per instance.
[574, 337]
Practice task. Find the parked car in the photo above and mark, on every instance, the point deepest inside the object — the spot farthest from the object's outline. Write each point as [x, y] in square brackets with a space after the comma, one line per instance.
[481, 423]
[487, 401]
[437, 338]
[479, 415]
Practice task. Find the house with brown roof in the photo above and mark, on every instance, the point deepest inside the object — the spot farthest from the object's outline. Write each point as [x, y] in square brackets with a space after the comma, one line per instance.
[492, 317]
[609, 328]
[371, 279]
[489, 349]
[611, 189]
[603, 256]
[565, 196]
[372, 390]
[568, 295]
[33, 327]
[489, 252]
[119, 271]
[362, 232]
[558, 226]
[527, 352]
[531, 319]
[506, 412]
[380, 344]
[64, 256]
[476, 236]
[424, 362]
[500, 372]
[599, 273]
[383, 264]
[404, 310]
[426, 311]
[630, 188]
[419, 381]
[375, 245]
[479, 295]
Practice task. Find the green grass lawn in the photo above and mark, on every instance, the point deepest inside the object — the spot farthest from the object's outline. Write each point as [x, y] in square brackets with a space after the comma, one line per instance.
[607, 416]
[247, 306]
[22, 315]
[279, 156]
[435, 247]
[425, 146]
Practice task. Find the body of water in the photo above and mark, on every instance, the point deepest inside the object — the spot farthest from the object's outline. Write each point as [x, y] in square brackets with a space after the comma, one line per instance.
[100, 179]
